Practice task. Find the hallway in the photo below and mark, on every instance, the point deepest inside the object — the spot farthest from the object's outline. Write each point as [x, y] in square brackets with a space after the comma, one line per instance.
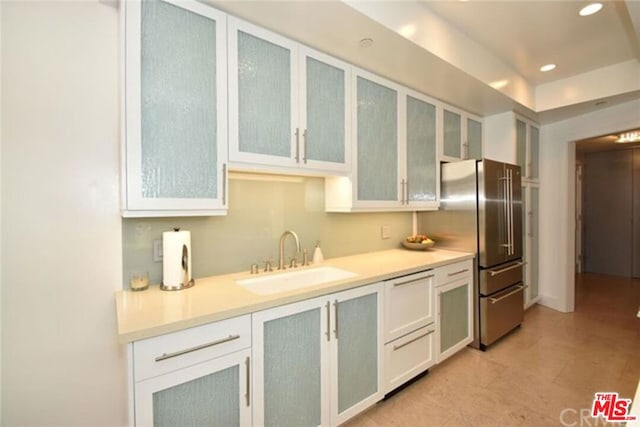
[542, 374]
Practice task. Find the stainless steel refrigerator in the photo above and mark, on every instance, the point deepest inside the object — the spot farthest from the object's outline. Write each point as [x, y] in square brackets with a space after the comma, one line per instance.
[481, 211]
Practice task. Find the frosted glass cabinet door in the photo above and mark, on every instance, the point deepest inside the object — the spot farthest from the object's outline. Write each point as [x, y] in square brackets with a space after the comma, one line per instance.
[324, 111]
[262, 104]
[534, 142]
[521, 146]
[214, 393]
[474, 139]
[377, 141]
[452, 139]
[533, 246]
[356, 325]
[422, 163]
[290, 349]
[175, 143]
[454, 317]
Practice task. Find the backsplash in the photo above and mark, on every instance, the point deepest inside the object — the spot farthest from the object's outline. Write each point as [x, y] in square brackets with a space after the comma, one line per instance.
[261, 207]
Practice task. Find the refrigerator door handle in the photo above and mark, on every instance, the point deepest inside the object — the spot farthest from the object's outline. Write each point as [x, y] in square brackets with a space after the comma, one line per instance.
[508, 210]
[505, 211]
[504, 270]
[511, 221]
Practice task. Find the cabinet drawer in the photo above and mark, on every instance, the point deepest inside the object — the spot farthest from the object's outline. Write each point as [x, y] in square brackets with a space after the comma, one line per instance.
[408, 356]
[455, 271]
[408, 304]
[166, 353]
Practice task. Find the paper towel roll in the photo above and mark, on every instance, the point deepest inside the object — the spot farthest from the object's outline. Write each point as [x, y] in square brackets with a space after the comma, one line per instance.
[176, 260]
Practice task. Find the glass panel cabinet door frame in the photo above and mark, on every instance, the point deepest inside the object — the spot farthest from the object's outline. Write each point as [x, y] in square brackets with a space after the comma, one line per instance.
[440, 290]
[531, 242]
[375, 292]
[379, 205]
[144, 390]
[134, 202]
[235, 67]
[258, 348]
[527, 148]
[460, 148]
[342, 162]
[434, 152]
[467, 147]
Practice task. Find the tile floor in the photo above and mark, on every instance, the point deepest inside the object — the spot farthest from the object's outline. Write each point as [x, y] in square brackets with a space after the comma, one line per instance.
[542, 374]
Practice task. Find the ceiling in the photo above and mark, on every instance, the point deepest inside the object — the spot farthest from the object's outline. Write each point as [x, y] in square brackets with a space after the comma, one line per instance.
[529, 34]
[605, 143]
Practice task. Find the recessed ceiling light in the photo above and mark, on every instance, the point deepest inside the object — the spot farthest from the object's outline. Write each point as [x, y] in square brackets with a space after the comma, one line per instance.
[590, 9]
[628, 137]
[367, 42]
[407, 30]
[547, 67]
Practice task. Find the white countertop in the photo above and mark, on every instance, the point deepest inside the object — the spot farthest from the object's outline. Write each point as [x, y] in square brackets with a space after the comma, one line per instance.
[154, 312]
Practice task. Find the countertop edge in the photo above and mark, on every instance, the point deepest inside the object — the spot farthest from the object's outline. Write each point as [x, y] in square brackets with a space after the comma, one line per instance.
[125, 337]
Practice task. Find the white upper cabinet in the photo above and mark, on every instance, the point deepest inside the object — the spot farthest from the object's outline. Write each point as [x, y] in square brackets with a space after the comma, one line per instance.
[422, 181]
[288, 104]
[175, 114]
[461, 135]
[527, 141]
[395, 150]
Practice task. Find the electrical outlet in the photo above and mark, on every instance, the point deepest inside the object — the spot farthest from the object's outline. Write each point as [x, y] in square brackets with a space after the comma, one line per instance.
[157, 250]
[386, 231]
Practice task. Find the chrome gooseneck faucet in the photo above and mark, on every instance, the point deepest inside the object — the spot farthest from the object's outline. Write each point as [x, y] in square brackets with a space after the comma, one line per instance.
[283, 238]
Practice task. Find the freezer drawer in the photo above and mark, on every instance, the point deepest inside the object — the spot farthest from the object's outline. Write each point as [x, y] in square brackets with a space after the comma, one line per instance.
[500, 277]
[408, 356]
[500, 313]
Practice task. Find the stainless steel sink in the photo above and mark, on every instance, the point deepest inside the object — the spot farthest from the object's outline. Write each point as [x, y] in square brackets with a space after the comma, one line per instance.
[291, 280]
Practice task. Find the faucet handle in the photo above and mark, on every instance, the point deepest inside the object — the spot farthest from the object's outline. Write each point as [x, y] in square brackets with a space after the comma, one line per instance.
[254, 268]
[305, 258]
[293, 263]
[267, 266]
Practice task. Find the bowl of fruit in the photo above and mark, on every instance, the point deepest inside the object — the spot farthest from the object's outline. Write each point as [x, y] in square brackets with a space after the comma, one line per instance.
[418, 242]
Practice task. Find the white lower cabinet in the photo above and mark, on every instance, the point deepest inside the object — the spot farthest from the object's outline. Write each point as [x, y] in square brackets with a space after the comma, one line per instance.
[409, 356]
[454, 308]
[215, 392]
[318, 362]
[409, 327]
[198, 376]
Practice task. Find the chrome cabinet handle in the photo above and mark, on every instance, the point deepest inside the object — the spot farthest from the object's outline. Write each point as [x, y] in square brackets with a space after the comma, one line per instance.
[247, 395]
[224, 184]
[297, 133]
[335, 307]
[502, 270]
[515, 291]
[166, 356]
[406, 191]
[328, 321]
[412, 280]
[402, 191]
[398, 347]
[458, 272]
[304, 146]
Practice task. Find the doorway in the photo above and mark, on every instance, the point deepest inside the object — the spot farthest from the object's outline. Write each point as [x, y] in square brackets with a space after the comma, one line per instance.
[607, 208]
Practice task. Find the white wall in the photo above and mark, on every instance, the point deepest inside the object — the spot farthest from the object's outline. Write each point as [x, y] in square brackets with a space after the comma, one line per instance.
[61, 229]
[557, 195]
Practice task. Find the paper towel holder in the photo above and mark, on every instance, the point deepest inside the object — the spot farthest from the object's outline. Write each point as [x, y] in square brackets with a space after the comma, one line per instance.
[186, 281]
